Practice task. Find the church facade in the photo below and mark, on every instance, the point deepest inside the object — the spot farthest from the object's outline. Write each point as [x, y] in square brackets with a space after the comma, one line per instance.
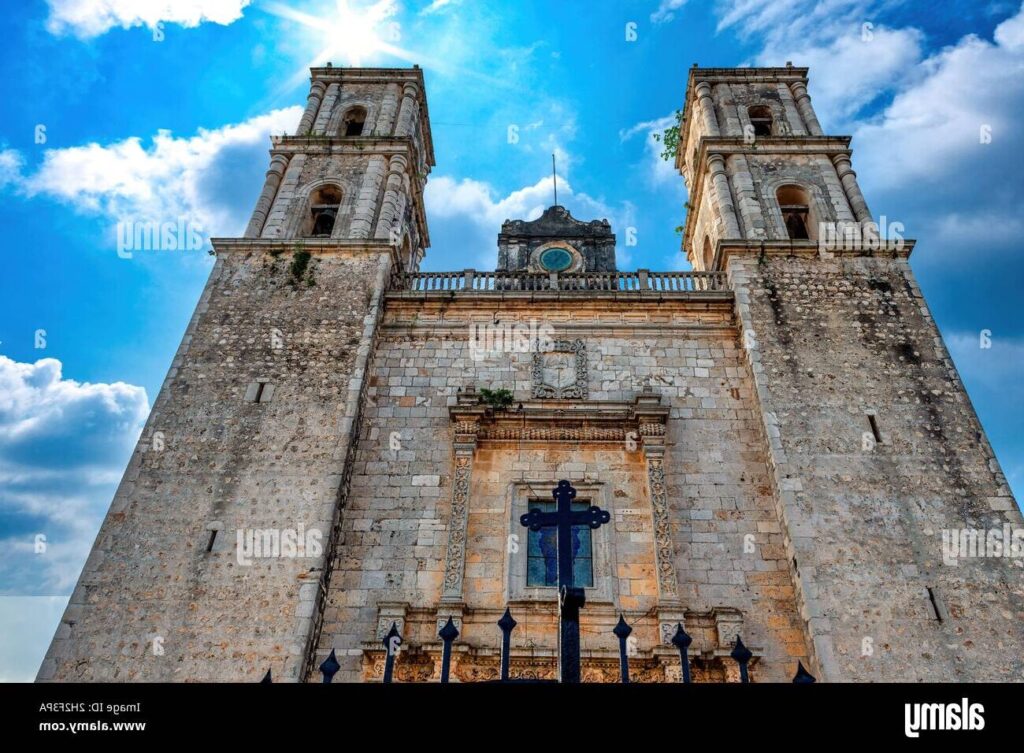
[345, 443]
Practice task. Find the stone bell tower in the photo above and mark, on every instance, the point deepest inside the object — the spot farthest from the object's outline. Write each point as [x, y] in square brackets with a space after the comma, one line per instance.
[357, 165]
[757, 164]
[876, 456]
[213, 559]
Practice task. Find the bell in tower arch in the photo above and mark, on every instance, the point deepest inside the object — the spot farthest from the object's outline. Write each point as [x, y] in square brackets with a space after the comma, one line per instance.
[324, 204]
[323, 222]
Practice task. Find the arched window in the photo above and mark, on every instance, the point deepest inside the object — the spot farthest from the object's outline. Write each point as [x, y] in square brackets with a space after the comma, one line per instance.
[353, 121]
[761, 119]
[795, 204]
[708, 254]
[324, 203]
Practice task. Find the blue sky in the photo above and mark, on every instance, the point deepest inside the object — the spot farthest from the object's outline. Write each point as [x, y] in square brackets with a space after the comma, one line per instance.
[112, 113]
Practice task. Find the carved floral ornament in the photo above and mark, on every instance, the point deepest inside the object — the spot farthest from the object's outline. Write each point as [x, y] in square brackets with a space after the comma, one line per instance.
[425, 666]
[456, 554]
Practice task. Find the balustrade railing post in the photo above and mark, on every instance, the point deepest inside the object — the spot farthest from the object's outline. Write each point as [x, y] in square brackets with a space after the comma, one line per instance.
[521, 280]
[682, 642]
[742, 655]
[447, 634]
[622, 631]
[507, 624]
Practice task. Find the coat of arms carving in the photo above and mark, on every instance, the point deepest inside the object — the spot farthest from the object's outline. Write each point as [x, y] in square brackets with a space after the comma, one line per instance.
[561, 371]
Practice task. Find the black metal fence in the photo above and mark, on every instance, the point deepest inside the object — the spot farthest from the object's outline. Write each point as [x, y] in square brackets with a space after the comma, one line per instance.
[449, 633]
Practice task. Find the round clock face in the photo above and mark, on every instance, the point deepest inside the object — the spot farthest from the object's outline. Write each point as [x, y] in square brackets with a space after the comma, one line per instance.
[556, 259]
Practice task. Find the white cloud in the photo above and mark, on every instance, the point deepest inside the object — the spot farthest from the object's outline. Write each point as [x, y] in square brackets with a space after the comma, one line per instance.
[91, 18]
[10, 166]
[63, 447]
[438, 5]
[666, 11]
[933, 129]
[964, 228]
[937, 111]
[850, 71]
[211, 179]
[852, 57]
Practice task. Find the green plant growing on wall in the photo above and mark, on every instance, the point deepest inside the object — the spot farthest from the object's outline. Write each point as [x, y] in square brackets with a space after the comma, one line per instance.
[497, 399]
[300, 261]
[669, 140]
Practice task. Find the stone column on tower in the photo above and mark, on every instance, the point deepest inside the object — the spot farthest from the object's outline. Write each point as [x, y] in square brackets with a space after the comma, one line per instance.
[316, 93]
[278, 163]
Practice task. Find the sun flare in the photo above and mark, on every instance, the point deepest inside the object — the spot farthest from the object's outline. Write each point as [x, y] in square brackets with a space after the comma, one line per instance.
[346, 32]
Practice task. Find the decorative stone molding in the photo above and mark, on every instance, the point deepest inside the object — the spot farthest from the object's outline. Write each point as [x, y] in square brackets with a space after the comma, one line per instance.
[466, 431]
[446, 611]
[643, 421]
[555, 434]
[466, 666]
[668, 620]
[388, 613]
[728, 624]
[668, 587]
[545, 361]
[458, 522]
[652, 430]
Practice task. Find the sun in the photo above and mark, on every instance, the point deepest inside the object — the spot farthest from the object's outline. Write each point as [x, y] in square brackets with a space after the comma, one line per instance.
[348, 33]
[353, 36]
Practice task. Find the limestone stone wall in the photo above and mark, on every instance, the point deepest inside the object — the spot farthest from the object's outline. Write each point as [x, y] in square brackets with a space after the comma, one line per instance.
[761, 176]
[832, 341]
[727, 540]
[153, 604]
[733, 100]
